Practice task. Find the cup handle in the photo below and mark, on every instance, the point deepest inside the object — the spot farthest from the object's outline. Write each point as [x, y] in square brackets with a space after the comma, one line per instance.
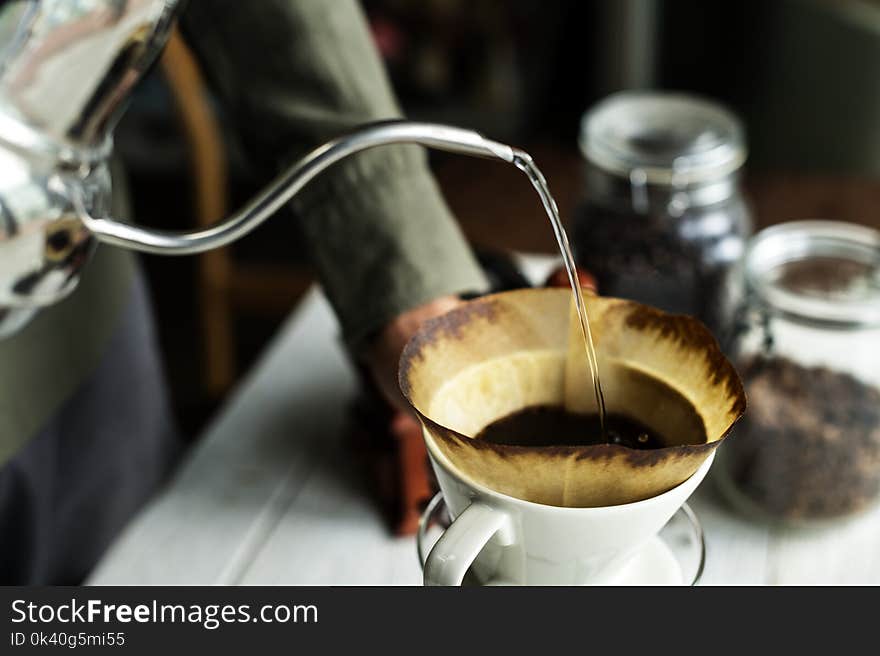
[460, 544]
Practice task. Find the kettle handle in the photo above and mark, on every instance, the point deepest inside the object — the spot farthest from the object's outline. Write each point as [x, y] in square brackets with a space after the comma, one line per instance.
[289, 183]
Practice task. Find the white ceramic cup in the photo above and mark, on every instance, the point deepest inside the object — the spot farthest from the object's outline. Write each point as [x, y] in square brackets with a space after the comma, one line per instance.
[507, 541]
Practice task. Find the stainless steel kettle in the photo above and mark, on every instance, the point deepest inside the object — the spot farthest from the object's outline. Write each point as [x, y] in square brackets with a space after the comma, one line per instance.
[67, 68]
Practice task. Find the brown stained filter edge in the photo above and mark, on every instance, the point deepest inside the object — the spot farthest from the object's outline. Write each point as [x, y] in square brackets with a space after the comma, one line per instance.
[442, 327]
[692, 335]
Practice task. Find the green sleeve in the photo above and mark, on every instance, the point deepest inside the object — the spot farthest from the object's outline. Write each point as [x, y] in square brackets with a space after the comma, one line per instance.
[295, 73]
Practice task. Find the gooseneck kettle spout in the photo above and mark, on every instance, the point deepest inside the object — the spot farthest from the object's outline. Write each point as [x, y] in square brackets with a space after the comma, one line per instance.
[41, 260]
[289, 183]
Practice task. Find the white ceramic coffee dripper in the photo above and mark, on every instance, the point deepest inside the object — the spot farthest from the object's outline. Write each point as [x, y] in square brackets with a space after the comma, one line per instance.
[519, 542]
[559, 515]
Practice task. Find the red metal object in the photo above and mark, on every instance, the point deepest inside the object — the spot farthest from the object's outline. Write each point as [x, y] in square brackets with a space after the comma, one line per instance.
[416, 479]
[559, 278]
[390, 446]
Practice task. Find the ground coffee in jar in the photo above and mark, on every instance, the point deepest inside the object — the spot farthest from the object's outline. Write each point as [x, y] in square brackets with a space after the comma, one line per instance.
[662, 219]
[808, 352]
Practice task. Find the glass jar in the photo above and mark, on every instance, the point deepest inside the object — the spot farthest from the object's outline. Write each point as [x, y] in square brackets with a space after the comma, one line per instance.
[663, 218]
[807, 298]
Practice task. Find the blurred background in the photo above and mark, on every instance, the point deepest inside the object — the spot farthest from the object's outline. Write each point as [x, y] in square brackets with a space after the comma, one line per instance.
[803, 76]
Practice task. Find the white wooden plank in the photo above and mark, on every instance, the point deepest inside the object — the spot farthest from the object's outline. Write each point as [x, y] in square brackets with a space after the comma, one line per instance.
[839, 552]
[334, 534]
[736, 547]
[232, 489]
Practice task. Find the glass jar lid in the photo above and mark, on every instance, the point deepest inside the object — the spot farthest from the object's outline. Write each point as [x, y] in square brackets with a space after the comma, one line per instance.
[674, 139]
[817, 271]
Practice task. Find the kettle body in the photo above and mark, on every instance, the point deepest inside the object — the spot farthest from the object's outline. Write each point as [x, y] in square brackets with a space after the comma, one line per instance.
[66, 71]
[43, 241]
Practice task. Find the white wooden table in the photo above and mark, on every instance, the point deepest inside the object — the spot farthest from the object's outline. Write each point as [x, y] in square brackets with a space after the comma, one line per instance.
[271, 496]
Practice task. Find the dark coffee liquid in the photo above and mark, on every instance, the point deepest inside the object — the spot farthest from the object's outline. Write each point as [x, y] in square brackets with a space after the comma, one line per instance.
[673, 420]
[554, 426]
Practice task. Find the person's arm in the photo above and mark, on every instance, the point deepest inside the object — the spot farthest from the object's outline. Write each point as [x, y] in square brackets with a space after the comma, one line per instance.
[296, 73]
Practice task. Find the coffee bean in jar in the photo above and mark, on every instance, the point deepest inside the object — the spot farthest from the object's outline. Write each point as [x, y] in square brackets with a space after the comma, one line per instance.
[663, 219]
[809, 446]
[808, 352]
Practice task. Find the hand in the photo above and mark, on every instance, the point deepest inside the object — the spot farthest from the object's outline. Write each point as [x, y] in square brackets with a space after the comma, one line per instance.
[383, 356]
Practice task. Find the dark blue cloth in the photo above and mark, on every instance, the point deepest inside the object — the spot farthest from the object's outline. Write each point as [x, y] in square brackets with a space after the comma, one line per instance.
[72, 488]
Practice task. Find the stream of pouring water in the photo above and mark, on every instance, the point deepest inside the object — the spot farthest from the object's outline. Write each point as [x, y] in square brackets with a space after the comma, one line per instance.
[523, 161]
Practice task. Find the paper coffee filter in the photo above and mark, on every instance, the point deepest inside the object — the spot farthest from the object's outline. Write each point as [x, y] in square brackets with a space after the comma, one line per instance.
[501, 353]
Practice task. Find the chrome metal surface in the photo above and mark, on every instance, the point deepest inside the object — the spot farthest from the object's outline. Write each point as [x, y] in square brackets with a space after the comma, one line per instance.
[66, 70]
[291, 181]
[70, 64]
[43, 242]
